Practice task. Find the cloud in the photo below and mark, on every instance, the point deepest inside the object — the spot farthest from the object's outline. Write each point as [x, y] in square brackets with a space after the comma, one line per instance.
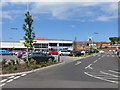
[72, 26]
[60, 0]
[5, 15]
[105, 18]
[82, 12]
[77, 11]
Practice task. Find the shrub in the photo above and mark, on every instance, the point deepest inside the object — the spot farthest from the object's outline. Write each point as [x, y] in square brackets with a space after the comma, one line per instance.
[15, 68]
[3, 61]
[9, 63]
[43, 65]
[17, 62]
[12, 68]
[13, 62]
[34, 67]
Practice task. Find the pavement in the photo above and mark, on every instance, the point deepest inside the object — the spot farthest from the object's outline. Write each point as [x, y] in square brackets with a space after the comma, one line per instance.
[96, 71]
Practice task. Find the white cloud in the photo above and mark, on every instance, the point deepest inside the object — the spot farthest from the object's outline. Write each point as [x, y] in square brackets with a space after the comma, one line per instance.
[72, 26]
[69, 11]
[60, 0]
[77, 11]
[105, 18]
[5, 15]
[2, 4]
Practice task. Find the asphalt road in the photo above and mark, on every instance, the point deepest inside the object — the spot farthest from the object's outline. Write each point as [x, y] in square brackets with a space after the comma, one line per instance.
[97, 71]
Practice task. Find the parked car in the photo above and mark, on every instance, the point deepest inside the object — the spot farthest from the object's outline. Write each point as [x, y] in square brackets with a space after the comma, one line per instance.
[41, 56]
[118, 53]
[75, 53]
[19, 54]
[53, 52]
[26, 55]
[5, 52]
[90, 51]
[95, 51]
[101, 51]
[64, 52]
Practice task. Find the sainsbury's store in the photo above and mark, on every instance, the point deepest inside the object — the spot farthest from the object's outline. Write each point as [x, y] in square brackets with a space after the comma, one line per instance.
[40, 43]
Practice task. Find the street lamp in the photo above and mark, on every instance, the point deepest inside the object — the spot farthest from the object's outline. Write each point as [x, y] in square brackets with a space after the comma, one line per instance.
[95, 33]
[11, 37]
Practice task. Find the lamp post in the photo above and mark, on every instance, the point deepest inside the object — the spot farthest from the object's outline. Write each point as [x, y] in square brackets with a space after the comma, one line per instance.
[95, 33]
[58, 52]
[12, 37]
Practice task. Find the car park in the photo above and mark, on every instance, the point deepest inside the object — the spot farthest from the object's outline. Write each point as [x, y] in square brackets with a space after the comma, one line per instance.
[5, 52]
[64, 52]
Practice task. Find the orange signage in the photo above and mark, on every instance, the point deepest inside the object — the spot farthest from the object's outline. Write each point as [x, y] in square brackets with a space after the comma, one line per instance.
[41, 38]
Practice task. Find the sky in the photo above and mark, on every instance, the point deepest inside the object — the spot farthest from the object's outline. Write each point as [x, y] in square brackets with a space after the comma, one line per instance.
[61, 20]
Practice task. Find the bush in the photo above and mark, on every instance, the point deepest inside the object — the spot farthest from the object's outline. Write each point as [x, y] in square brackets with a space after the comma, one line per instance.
[17, 62]
[13, 62]
[12, 68]
[3, 61]
[34, 67]
[9, 63]
[43, 65]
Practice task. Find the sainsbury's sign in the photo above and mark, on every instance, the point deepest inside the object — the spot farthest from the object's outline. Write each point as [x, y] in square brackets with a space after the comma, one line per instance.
[41, 38]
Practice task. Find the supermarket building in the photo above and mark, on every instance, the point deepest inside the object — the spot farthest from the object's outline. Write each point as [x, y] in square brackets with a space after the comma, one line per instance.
[39, 43]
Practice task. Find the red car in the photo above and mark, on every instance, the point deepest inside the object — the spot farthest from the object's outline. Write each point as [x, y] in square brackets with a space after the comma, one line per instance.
[53, 52]
[90, 51]
[75, 53]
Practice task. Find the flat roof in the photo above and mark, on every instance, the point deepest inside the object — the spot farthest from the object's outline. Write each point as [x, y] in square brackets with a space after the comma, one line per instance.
[51, 39]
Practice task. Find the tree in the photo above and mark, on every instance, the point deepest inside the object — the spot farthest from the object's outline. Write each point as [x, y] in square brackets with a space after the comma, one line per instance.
[75, 44]
[114, 40]
[29, 34]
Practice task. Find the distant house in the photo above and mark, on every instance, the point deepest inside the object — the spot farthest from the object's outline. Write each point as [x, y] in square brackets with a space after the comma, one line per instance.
[104, 44]
[88, 45]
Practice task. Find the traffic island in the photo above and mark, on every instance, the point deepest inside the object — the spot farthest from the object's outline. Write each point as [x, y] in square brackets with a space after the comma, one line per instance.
[13, 67]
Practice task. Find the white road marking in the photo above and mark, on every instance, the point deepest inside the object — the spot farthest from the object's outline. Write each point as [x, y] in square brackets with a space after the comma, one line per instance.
[113, 71]
[116, 82]
[109, 74]
[99, 58]
[10, 80]
[88, 66]
[17, 77]
[113, 56]
[23, 74]
[113, 78]
[95, 61]
[78, 62]
[11, 77]
[2, 84]
[3, 80]
[103, 55]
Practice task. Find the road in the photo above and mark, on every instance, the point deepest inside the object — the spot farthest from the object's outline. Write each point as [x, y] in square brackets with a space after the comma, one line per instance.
[97, 71]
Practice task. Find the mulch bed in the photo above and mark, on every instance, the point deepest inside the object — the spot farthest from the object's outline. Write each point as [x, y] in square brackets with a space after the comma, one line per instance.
[21, 68]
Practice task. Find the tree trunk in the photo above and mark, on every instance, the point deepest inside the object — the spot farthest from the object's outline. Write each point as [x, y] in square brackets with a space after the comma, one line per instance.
[28, 63]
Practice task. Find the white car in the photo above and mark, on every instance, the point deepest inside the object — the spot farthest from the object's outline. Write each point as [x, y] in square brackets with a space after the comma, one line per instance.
[64, 52]
[101, 51]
